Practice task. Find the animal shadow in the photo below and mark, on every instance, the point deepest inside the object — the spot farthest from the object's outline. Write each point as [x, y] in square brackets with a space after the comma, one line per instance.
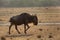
[19, 35]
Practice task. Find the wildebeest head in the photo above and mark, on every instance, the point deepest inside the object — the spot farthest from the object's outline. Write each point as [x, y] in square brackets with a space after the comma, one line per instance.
[35, 20]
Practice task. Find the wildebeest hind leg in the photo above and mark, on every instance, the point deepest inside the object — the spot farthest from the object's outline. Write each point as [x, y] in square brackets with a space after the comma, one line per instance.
[10, 27]
[17, 29]
[25, 29]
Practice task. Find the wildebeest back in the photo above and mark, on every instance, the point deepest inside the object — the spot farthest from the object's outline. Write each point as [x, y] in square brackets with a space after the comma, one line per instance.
[21, 19]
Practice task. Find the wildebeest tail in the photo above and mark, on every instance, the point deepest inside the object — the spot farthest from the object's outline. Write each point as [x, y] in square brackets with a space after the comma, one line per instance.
[11, 20]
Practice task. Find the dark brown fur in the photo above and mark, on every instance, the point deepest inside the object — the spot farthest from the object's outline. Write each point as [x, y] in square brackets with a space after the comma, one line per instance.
[23, 18]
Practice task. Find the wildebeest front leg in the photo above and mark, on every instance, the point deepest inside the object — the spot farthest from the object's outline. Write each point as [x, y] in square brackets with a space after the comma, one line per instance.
[10, 27]
[27, 27]
[17, 29]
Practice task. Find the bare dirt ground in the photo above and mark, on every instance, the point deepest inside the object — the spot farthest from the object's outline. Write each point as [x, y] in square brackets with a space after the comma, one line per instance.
[43, 31]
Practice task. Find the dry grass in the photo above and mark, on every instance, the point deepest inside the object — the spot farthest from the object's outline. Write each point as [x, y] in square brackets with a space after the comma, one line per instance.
[39, 32]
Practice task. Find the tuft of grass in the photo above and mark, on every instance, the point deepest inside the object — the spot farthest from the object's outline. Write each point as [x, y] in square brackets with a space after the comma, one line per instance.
[58, 28]
[27, 39]
[3, 38]
[50, 33]
[39, 36]
[40, 29]
[1, 20]
[50, 36]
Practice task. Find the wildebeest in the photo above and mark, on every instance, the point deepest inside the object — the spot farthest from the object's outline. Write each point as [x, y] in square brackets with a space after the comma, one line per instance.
[23, 18]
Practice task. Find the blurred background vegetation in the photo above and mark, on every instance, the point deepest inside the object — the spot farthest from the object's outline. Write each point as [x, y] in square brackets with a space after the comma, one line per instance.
[29, 3]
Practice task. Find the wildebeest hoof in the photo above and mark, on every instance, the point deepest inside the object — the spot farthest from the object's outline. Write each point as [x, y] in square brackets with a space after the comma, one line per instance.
[9, 33]
[19, 32]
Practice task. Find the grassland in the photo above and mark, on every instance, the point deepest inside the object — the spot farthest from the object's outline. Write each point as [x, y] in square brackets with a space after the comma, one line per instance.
[39, 32]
